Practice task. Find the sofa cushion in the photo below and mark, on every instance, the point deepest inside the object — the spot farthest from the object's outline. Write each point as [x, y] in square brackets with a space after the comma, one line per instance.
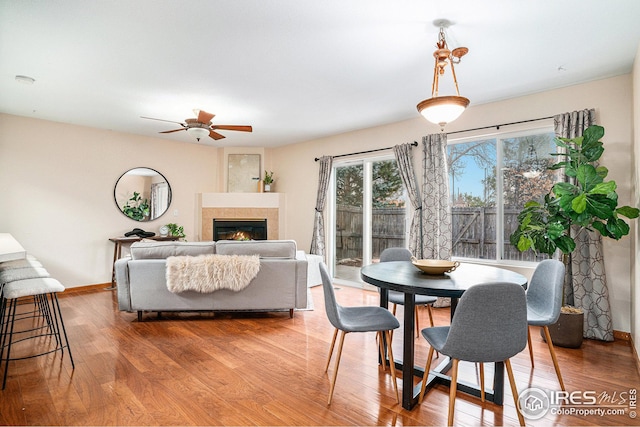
[283, 249]
[161, 250]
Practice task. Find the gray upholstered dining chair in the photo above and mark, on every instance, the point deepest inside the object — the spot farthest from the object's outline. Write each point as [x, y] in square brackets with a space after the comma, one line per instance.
[489, 325]
[397, 298]
[544, 301]
[357, 319]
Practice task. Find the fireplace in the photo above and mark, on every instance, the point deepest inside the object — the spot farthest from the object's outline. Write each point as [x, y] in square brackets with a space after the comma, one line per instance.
[239, 229]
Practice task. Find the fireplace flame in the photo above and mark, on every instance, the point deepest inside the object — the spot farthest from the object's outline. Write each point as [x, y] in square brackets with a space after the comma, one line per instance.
[240, 235]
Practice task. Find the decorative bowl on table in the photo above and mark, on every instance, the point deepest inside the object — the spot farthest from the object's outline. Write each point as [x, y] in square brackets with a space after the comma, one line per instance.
[435, 266]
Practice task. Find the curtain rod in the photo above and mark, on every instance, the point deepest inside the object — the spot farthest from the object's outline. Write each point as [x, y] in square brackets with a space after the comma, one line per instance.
[415, 144]
[503, 124]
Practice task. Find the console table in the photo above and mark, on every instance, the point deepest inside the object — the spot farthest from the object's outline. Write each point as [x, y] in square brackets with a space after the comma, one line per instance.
[10, 248]
[117, 250]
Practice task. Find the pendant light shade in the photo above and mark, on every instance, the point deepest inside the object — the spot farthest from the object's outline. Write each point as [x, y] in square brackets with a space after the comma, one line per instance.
[444, 109]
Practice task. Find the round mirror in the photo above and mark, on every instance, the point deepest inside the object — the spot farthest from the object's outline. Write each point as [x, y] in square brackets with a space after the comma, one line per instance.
[142, 194]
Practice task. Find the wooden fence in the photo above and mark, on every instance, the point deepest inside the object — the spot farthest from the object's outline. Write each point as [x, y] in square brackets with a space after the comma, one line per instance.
[388, 231]
[473, 232]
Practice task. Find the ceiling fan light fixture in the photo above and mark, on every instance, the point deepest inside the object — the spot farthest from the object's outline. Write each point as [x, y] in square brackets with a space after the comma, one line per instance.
[444, 109]
[198, 132]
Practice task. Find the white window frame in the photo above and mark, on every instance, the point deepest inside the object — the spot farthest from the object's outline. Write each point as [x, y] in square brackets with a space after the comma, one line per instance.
[367, 211]
[499, 136]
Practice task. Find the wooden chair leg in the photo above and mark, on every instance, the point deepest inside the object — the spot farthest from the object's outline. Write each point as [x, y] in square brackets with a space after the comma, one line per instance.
[430, 315]
[393, 311]
[392, 365]
[514, 390]
[335, 369]
[453, 388]
[333, 343]
[529, 344]
[482, 381]
[425, 377]
[553, 356]
[417, 322]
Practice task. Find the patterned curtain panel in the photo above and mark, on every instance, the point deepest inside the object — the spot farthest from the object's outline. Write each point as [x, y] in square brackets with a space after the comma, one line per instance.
[586, 282]
[436, 218]
[403, 156]
[317, 241]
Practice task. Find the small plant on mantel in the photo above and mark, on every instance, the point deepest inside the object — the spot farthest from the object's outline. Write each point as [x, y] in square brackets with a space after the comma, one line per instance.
[268, 177]
[268, 180]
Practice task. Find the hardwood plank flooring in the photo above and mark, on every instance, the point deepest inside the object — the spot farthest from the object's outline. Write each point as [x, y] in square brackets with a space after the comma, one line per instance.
[267, 369]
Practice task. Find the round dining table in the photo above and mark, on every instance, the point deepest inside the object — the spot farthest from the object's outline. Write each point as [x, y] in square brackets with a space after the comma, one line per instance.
[403, 276]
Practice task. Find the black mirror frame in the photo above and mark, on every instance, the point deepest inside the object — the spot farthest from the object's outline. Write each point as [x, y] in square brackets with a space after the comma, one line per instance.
[169, 196]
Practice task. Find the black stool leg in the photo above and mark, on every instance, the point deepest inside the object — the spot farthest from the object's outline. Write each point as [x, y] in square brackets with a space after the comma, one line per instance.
[54, 297]
[10, 321]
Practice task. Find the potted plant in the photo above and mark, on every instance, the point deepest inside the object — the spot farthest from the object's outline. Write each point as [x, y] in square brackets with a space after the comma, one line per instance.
[136, 207]
[176, 230]
[268, 180]
[587, 202]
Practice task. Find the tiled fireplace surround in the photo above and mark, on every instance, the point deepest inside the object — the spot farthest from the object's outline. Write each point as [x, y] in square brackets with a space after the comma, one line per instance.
[242, 206]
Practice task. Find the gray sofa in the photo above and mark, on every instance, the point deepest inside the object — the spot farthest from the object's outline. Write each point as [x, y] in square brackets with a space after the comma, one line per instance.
[281, 283]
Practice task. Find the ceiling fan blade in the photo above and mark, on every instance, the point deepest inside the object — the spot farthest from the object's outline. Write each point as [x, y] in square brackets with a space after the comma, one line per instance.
[175, 130]
[162, 120]
[233, 127]
[215, 135]
[204, 117]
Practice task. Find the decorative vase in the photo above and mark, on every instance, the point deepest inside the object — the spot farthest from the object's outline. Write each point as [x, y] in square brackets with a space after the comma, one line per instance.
[267, 188]
[567, 331]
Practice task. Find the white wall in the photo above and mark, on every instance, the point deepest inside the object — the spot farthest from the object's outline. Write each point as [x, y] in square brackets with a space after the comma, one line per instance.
[635, 231]
[610, 97]
[56, 191]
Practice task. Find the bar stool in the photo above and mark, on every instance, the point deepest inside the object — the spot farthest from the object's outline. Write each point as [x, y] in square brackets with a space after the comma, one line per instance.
[29, 262]
[46, 319]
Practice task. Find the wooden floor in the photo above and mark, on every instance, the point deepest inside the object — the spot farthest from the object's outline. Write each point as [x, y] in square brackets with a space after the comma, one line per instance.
[267, 369]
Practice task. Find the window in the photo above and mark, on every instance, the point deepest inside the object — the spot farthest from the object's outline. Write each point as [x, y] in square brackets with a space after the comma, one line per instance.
[368, 213]
[490, 180]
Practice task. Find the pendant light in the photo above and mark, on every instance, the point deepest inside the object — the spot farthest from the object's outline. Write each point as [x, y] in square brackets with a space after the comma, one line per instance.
[444, 109]
[533, 167]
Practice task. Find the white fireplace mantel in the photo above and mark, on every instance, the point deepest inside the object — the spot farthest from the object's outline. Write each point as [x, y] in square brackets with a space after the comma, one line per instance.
[242, 200]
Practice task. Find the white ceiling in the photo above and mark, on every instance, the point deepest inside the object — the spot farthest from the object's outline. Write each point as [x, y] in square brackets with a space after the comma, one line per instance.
[295, 70]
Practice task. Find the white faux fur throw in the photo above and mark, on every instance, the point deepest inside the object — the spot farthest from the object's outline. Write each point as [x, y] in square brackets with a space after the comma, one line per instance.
[208, 273]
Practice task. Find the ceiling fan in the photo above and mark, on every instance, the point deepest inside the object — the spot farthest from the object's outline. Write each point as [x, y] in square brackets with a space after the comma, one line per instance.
[201, 126]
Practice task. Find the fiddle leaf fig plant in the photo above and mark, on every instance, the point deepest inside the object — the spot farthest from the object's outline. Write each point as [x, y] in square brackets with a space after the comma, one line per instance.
[588, 201]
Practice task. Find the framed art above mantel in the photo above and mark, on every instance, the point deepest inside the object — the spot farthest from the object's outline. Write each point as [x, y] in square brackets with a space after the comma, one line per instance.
[243, 173]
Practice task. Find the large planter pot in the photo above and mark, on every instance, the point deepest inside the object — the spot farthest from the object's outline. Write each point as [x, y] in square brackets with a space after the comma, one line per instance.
[567, 331]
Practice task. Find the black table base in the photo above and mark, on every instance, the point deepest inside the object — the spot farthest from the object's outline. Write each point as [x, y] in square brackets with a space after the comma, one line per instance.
[438, 376]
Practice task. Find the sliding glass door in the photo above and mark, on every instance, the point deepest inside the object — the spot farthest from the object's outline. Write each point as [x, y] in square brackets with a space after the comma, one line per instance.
[368, 214]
